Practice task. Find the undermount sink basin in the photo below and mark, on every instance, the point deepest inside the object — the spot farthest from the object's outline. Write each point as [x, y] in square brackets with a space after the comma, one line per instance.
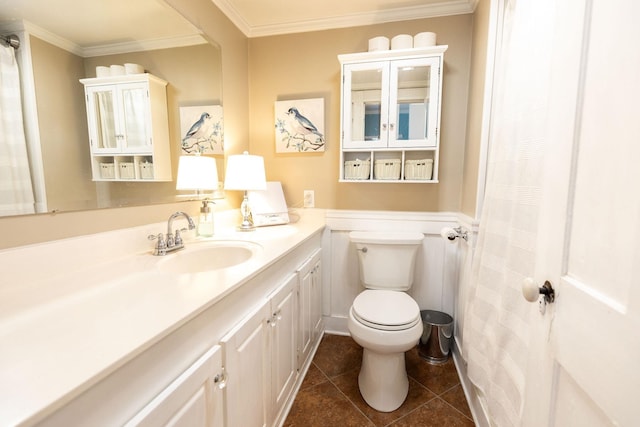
[208, 256]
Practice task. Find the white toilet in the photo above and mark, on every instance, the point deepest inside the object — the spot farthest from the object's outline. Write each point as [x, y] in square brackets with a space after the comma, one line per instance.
[383, 319]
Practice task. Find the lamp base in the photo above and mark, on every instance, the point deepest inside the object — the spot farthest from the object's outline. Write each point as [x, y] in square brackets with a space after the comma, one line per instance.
[247, 217]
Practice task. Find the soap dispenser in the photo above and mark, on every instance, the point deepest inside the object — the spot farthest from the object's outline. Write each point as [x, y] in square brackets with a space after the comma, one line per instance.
[205, 222]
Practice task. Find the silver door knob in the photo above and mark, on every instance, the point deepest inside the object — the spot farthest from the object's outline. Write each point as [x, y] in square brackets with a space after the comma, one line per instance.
[531, 291]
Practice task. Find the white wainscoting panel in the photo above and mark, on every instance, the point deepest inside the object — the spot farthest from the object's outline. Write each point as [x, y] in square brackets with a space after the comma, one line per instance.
[436, 274]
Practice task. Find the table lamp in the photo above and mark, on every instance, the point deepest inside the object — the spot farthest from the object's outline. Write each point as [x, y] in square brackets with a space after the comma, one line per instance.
[245, 172]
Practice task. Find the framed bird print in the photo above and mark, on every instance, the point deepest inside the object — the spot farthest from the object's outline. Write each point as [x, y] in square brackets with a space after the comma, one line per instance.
[201, 130]
[300, 125]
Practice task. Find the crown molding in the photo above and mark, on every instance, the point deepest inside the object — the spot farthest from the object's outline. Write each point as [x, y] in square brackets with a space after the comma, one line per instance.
[445, 8]
[142, 45]
[100, 50]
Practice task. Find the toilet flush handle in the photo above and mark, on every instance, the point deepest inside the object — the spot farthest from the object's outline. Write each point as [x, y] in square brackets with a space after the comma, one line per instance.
[364, 250]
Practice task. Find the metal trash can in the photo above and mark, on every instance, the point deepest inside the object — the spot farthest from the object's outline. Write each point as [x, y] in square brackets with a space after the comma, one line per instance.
[435, 342]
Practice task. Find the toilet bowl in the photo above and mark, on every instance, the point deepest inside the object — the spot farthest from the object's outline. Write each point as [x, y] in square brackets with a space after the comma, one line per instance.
[383, 319]
[384, 338]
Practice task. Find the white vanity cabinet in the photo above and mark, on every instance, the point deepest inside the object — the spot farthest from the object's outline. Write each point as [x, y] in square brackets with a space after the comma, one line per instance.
[260, 359]
[310, 279]
[233, 363]
[390, 117]
[128, 128]
[194, 399]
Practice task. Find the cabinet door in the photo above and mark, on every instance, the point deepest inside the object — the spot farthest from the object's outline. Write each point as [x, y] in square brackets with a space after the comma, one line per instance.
[365, 103]
[192, 400]
[135, 116]
[284, 330]
[316, 300]
[414, 102]
[102, 120]
[310, 305]
[246, 360]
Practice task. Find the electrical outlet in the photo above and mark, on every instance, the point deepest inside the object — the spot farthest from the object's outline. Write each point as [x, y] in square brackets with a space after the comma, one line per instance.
[309, 199]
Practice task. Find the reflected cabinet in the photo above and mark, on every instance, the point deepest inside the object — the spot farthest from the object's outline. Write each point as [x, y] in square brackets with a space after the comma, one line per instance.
[128, 128]
[391, 115]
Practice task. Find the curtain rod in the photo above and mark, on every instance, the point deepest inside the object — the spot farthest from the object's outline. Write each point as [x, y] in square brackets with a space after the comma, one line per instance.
[11, 40]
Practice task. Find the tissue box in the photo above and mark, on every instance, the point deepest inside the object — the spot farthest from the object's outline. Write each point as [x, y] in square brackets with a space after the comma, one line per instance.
[386, 169]
[357, 169]
[126, 170]
[107, 171]
[418, 169]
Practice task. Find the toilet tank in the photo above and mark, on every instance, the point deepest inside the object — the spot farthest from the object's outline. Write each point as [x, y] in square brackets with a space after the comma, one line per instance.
[386, 259]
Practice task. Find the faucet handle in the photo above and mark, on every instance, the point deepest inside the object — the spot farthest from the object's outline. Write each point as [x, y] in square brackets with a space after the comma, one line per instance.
[161, 246]
[178, 237]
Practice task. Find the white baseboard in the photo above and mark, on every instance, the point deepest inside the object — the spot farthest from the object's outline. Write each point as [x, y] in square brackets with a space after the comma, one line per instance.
[336, 325]
[475, 405]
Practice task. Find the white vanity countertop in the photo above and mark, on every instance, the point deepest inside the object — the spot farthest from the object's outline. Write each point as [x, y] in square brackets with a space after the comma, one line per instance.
[75, 310]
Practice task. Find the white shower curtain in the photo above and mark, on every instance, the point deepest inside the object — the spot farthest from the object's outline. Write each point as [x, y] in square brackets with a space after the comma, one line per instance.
[495, 330]
[16, 192]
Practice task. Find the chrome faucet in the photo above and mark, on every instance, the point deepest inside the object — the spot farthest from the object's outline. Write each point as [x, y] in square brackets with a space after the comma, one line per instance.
[172, 241]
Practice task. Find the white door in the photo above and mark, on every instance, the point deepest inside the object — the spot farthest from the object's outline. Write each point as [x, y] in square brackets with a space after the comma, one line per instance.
[587, 370]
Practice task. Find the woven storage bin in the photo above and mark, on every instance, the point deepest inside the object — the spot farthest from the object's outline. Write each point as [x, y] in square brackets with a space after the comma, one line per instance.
[386, 169]
[107, 171]
[146, 170]
[357, 169]
[126, 170]
[418, 169]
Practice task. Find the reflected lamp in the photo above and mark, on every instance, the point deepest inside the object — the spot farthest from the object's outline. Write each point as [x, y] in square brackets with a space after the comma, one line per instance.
[199, 173]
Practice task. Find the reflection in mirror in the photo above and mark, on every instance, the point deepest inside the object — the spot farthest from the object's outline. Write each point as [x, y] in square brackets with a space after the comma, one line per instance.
[366, 101]
[52, 62]
[413, 102]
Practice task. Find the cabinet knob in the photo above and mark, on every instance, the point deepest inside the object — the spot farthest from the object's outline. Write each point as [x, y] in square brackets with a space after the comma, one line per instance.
[221, 379]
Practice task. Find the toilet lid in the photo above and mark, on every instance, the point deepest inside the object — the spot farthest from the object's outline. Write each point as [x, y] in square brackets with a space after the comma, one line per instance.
[386, 310]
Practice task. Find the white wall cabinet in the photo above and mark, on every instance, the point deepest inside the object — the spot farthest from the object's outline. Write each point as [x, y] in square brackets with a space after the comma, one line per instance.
[310, 294]
[194, 399]
[128, 128]
[390, 117]
[260, 359]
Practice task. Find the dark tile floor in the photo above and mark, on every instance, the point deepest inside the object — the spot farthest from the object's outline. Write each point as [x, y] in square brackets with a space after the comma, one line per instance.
[329, 394]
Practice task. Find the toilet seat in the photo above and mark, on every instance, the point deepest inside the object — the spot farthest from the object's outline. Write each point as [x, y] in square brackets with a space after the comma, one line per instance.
[386, 310]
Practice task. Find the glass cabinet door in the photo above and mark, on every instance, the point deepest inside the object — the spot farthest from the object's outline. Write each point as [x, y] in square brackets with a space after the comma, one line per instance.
[133, 98]
[413, 102]
[366, 91]
[102, 125]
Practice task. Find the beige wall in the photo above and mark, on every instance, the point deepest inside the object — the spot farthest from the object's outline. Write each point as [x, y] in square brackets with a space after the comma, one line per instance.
[276, 68]
[305, 65]
[63, 129]
[475, 113]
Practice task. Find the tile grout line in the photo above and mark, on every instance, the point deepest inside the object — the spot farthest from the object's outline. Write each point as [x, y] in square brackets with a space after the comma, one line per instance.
[347, 397]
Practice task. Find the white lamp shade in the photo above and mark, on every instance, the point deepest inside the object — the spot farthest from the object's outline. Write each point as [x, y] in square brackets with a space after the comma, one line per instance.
[197, 173]
[245, 172]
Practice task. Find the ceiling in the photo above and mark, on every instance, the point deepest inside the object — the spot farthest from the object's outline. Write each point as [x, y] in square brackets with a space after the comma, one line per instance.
[110, 22]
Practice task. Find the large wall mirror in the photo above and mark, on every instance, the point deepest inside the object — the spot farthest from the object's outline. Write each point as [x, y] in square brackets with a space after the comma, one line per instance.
[65, 40]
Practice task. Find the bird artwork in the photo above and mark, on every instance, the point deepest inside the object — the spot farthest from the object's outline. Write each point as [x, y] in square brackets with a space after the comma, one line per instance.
[298, 132]
[200, 137]
[301, 124]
